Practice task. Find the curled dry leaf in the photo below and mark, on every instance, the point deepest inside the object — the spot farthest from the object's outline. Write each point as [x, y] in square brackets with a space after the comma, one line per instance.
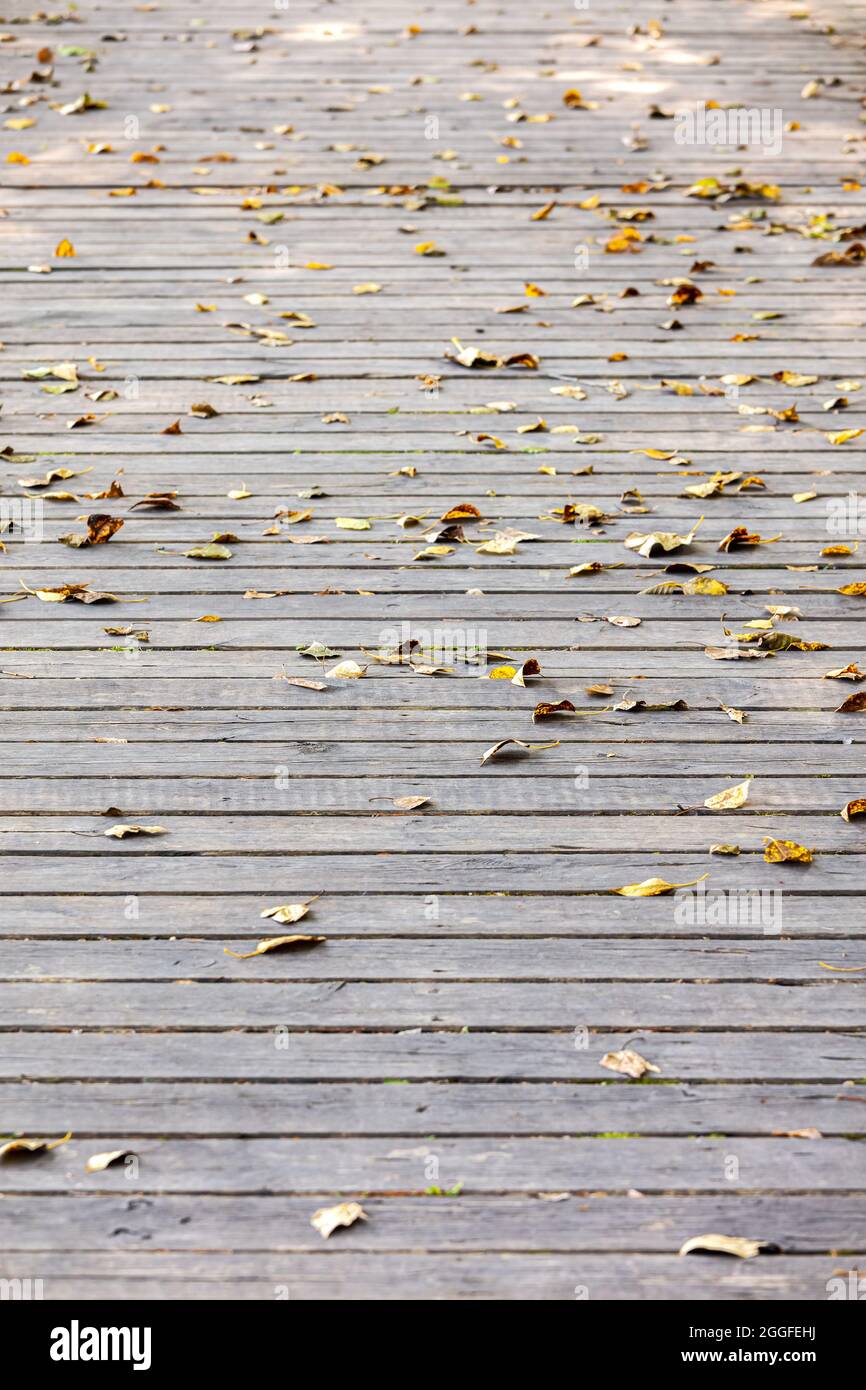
[654, 887]
[731, 799]
[741, 535]
[288, 912]
[347, 670]
[857, 807]
[630, 706]
[100, 529]
[530, 667]
[76, 593]
[645, 544]
[410, 803]
[516, 743]
[628, 1063]
[741, 1246]
[163, 501]
[546, 710]
[854, 704]
[23, 1148]
[274, 943]
[327, 1219]
[319, 650]
[97, 1163]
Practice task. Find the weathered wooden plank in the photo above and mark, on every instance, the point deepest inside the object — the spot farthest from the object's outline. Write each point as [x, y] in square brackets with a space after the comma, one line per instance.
[324, 1166]
[779, 962]
[236, 915]
[424, 1108]
[341, 1276]
[434, 831]
[347, 1004]
[567, 1055]
[182, 1229]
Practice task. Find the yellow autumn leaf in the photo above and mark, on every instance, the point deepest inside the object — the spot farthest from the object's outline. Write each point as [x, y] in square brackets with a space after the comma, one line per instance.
[653, 887]
[731, 798]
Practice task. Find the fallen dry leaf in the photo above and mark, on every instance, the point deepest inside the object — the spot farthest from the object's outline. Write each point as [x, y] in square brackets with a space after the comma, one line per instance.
[327, 1219]
[741, 1246]
[629, 1063]
[274, 943]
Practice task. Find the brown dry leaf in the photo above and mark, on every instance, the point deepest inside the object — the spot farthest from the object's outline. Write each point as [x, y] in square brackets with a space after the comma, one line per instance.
[297, 680]
[274, 943]
[162, 500]
[516, 743]
[851, 672]
[786, 852]
[587, 513]
[628, 1063]
[857, 807]
[76, 593]
[530, 667]
[327, 1219]
[462, 511]
[741, 1246]
[854, 704]
[173, 428]
[742, 536]
[546, 710]
[630, 706]
[731, 799]
[653, 887]
[100, 529]
[20, 1148]
[739, 716]
[852, 255]
[120, 832]
[97, 1163]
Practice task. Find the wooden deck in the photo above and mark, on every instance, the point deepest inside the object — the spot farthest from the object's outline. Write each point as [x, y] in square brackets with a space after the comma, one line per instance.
[438, 1057]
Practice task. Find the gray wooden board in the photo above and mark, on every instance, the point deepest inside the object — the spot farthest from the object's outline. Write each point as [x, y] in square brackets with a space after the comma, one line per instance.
[346, 1004]
[391, 1164]
[405, 915]
[341, 1276]
[474, 950]
[172, 1109]
[185, 1228]
[434, 1053]
[777, 961]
